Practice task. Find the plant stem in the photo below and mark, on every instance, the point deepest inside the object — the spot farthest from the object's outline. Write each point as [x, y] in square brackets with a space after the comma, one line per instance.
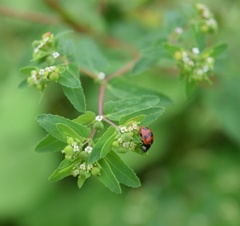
[110, 122]
[101, 98]
[92, 134]
[28, 16]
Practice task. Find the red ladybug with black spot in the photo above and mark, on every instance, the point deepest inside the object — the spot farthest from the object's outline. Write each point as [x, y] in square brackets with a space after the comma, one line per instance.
[146, 137]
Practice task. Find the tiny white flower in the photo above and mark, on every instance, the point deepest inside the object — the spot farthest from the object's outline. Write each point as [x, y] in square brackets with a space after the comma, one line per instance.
[199, 72]
[82, 167]
[52, 68]
[126, 144]
[88, 149]
[34, 77]
[190, 63]
[33, 72]
[75, 148]
[123, 129]
[178, 30]
[101, 75]
[55, 55]
[195, 50]
[99, 118]
[185, 59]
[120, 140]
[40, 45]
[134, 126]
[46, 39]
[75, 172]
[36, 50]
[205, 69]
[41, 72]
[48, 69]
[210, 60]
[89, 167]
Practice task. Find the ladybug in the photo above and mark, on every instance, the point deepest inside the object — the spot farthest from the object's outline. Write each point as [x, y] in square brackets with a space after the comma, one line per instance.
[146, 137]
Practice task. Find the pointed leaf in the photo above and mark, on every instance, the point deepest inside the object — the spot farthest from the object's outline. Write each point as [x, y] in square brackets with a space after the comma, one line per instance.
[81, 181]
[50, 144]
[48, 122]
[98, 147]
[107, 177]
[27, 70]
[64, 170]
[123, 173]
[76, 97]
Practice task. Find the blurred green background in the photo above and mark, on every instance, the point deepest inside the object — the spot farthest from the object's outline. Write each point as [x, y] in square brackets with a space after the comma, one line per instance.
[191, 176]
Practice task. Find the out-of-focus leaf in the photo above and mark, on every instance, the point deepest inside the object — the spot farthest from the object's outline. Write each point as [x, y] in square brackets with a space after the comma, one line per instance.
[90, 57]
[122, 89]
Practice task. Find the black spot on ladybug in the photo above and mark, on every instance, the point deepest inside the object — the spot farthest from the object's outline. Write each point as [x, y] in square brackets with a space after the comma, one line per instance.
[145, 137]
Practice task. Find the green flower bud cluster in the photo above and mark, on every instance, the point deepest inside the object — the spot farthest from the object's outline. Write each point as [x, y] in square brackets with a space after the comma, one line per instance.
[40, 77]
[206, 22]
[44, 46]
[193, 65]
[79, 152]
[126, 139]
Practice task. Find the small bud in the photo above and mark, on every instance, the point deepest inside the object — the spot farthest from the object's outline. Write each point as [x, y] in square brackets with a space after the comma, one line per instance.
[177, 55]
[68, 150]
[115, 144]
[54, 76]
[126, 137]
[98, 125]
[83, 155]
[82, 173]
[30, 81]
[70, 140]
[95, 171]
[122, 150]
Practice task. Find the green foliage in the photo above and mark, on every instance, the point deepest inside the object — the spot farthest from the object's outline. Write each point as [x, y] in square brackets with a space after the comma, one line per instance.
[90, 147]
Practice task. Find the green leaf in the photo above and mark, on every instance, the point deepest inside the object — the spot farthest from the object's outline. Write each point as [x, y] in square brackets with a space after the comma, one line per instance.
[23, 84]
[171, 49]
[200, 37]
[190, 87]
[122, 172]
[90, 57]
[152, 114]
[215, 50]
[108, 178]
[103, 142]
[27, 70]
[116, 109]
[76, 97]
[122, 89]
[137, 118]
[150, 56]
[50, 144]
[81, 181]
[64, 170]
[48, 122]
[69, 77]
[86, 119]
[66, 132]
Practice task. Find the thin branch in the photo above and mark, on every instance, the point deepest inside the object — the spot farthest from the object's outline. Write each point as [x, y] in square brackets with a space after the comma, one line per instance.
[88, 73]
[28, 16]
[110, 122]
[101, 98]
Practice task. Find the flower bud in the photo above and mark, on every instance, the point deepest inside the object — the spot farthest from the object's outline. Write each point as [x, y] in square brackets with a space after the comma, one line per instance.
[68, 150]
[83, 155]
[122, 150]
[30, 81]
[54, 76]
[95, 171]
[70, 140]
[98, 125]
[126, 137]
[115, 144]
[82, 173]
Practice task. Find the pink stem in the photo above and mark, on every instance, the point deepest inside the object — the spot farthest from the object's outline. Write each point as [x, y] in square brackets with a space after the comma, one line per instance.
[101, 97]
[110, 122]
